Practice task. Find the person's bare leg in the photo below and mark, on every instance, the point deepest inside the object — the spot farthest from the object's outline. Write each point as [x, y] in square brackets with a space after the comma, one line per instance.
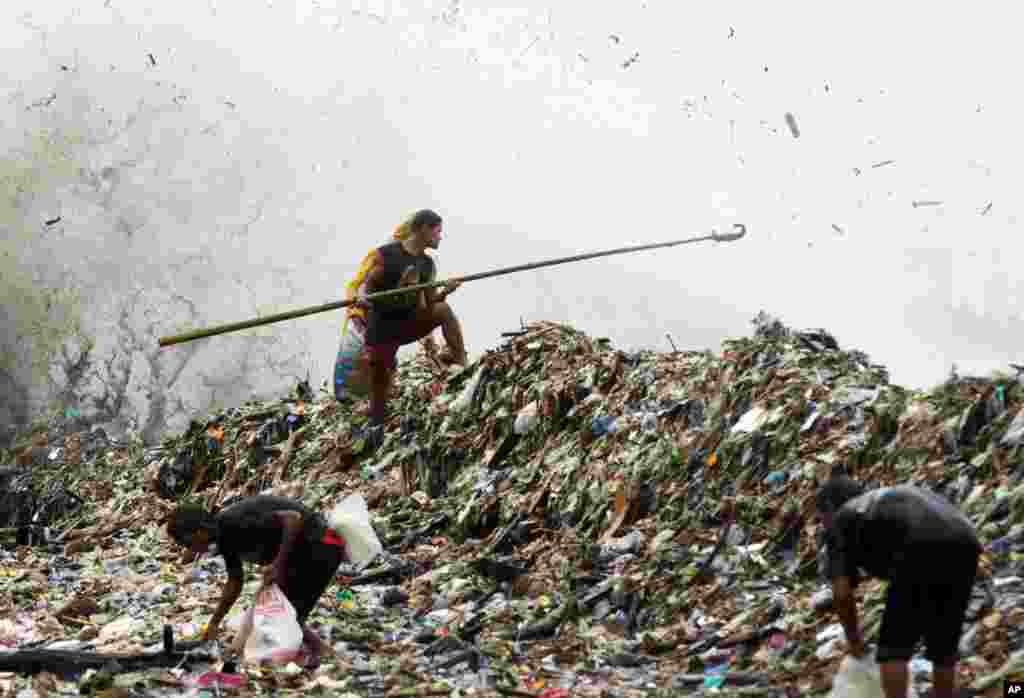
[314, 645]
[380, 384]
[943, 680]
[895, 678]
[452, 331]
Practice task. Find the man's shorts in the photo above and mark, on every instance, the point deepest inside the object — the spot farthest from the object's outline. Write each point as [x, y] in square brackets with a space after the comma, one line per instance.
[312, 566]
[928, 598]
[397, 334]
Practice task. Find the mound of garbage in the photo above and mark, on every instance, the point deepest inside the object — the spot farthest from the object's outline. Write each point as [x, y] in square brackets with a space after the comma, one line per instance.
[559, 518]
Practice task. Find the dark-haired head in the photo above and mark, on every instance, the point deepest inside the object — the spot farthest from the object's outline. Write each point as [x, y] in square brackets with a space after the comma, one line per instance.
[835, 493]
[425, 223]
[192, 526]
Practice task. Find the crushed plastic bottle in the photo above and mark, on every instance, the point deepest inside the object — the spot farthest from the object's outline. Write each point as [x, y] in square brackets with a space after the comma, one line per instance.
[603, 424]
[617, 547]
[345, 599]
[714, 677]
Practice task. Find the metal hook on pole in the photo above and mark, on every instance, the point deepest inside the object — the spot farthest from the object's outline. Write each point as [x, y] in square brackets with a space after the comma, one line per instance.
[738, 231]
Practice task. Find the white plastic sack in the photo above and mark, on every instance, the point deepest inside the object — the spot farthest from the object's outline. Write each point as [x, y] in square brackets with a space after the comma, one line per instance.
[270, 631]
[861, 678]
[351, 520]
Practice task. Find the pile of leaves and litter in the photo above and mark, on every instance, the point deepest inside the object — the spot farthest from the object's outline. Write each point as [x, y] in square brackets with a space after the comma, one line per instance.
[559, 518]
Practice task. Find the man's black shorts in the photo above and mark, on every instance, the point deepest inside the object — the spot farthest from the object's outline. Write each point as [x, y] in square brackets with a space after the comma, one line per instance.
[928, 598]
[312, 565]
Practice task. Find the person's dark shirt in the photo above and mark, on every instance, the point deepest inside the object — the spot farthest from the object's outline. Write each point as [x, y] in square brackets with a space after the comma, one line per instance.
[248, 531]
[399, 268]
[875, 531]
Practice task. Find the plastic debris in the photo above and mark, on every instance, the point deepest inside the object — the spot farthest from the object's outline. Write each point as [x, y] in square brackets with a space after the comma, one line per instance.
[791, 123]
[560, 516]
[861, 678]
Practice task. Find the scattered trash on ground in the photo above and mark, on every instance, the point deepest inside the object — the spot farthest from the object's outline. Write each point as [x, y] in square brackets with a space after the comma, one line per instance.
[558, 518]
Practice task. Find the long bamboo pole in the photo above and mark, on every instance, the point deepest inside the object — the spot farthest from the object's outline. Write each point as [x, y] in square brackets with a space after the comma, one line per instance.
[739, 230]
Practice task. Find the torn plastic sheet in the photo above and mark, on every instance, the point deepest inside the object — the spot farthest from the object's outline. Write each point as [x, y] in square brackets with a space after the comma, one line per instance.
[757, 418]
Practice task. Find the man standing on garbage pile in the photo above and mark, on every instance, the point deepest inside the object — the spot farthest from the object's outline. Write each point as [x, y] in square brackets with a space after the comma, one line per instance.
[385, 324]
[302, 553]
[927, 550]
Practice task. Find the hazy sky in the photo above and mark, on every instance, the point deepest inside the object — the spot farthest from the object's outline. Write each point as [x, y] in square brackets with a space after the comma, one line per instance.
[551, 129]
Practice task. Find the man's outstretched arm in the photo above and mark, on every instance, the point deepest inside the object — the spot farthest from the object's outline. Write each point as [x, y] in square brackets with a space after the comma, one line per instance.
[229, 595]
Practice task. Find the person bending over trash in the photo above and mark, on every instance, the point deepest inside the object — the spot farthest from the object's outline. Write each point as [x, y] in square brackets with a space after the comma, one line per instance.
[927, 550]
[302, 553]
[385, 324]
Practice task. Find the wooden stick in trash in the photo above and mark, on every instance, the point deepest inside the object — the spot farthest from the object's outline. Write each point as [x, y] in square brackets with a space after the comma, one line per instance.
[739, 230]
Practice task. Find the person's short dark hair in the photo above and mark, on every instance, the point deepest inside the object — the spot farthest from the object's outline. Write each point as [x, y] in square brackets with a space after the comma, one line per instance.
[837, 492]
[186, 520]
[425, 217]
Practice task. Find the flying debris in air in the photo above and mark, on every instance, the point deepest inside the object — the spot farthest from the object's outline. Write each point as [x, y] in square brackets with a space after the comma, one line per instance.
[988, 207]
[732, 32]
[53, 221]
[152, 60]
[615, 38]
[45, 101]
[837, 229]
[791, 122]
[918, 204]
[631, 60]
[523, 52]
